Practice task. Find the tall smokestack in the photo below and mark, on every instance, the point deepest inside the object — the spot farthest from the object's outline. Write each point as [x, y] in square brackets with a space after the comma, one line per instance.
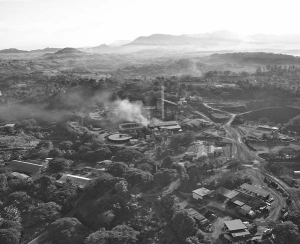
[162, 101]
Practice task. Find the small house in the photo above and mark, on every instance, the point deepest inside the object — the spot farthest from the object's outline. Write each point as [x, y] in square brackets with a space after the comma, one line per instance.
[201, 193]
[236, 229]
[79, 180]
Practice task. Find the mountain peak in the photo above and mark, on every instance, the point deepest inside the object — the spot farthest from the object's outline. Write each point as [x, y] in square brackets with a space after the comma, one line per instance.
[68, 50]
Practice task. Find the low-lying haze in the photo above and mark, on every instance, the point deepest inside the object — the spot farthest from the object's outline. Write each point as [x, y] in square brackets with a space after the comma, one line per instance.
[32, 24]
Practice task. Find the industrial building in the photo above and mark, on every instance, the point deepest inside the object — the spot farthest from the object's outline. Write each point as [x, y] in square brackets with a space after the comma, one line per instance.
[131, 127]
[256, 191]
[168, 125]
[24, 167]
[119, 138]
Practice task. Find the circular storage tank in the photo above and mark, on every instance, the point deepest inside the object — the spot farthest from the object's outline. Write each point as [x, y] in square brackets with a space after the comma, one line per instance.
[119, 138]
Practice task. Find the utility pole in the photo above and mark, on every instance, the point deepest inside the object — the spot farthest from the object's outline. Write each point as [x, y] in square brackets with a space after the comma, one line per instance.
[162, 100]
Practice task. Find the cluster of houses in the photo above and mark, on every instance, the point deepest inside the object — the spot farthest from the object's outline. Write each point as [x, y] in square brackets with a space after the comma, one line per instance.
[248, 200]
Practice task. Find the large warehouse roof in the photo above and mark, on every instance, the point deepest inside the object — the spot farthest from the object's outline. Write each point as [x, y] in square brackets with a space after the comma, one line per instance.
[255, 189]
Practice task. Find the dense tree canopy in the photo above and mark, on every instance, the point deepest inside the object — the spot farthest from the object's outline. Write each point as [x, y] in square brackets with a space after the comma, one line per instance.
[67, 230]
[286, 233]
[117, 169]
[128, 156]
[8, 236]
[294, 216]
[45, 212]
[183, 139]
[184, 225]
[121, 234]
[59, 165]
[164, 177]
[140, 178]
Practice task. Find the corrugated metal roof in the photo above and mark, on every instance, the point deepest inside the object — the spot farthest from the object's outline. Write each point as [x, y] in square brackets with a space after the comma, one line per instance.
[193, 213]
[254, 189]
[235, 224]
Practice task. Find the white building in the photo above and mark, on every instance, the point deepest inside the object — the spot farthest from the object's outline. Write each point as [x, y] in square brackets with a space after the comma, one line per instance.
[201, 193]
[201, 151]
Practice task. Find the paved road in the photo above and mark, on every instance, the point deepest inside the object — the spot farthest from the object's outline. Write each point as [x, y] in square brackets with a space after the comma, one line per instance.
[245, 155]
[240, 149]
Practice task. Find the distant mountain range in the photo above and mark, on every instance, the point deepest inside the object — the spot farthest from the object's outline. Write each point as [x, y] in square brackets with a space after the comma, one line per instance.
[45, 50]
[218, 40]
[196, 40]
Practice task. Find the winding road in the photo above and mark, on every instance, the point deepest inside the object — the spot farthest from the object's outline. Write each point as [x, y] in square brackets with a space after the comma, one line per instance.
[242, 153]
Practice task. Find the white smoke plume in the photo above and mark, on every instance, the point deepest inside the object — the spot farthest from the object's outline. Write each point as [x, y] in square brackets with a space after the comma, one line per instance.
[129, 111]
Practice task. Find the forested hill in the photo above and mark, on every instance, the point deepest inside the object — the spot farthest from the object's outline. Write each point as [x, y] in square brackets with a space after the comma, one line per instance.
[261, 58]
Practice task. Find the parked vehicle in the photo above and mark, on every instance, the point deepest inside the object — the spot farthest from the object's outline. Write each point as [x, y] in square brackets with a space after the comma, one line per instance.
[267, 231]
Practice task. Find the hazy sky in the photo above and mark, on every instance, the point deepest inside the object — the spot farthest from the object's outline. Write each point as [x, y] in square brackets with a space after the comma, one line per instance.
[29, 24]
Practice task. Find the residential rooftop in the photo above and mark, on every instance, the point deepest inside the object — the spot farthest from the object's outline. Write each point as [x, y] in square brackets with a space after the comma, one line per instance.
[202, 192]
[235, 224]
